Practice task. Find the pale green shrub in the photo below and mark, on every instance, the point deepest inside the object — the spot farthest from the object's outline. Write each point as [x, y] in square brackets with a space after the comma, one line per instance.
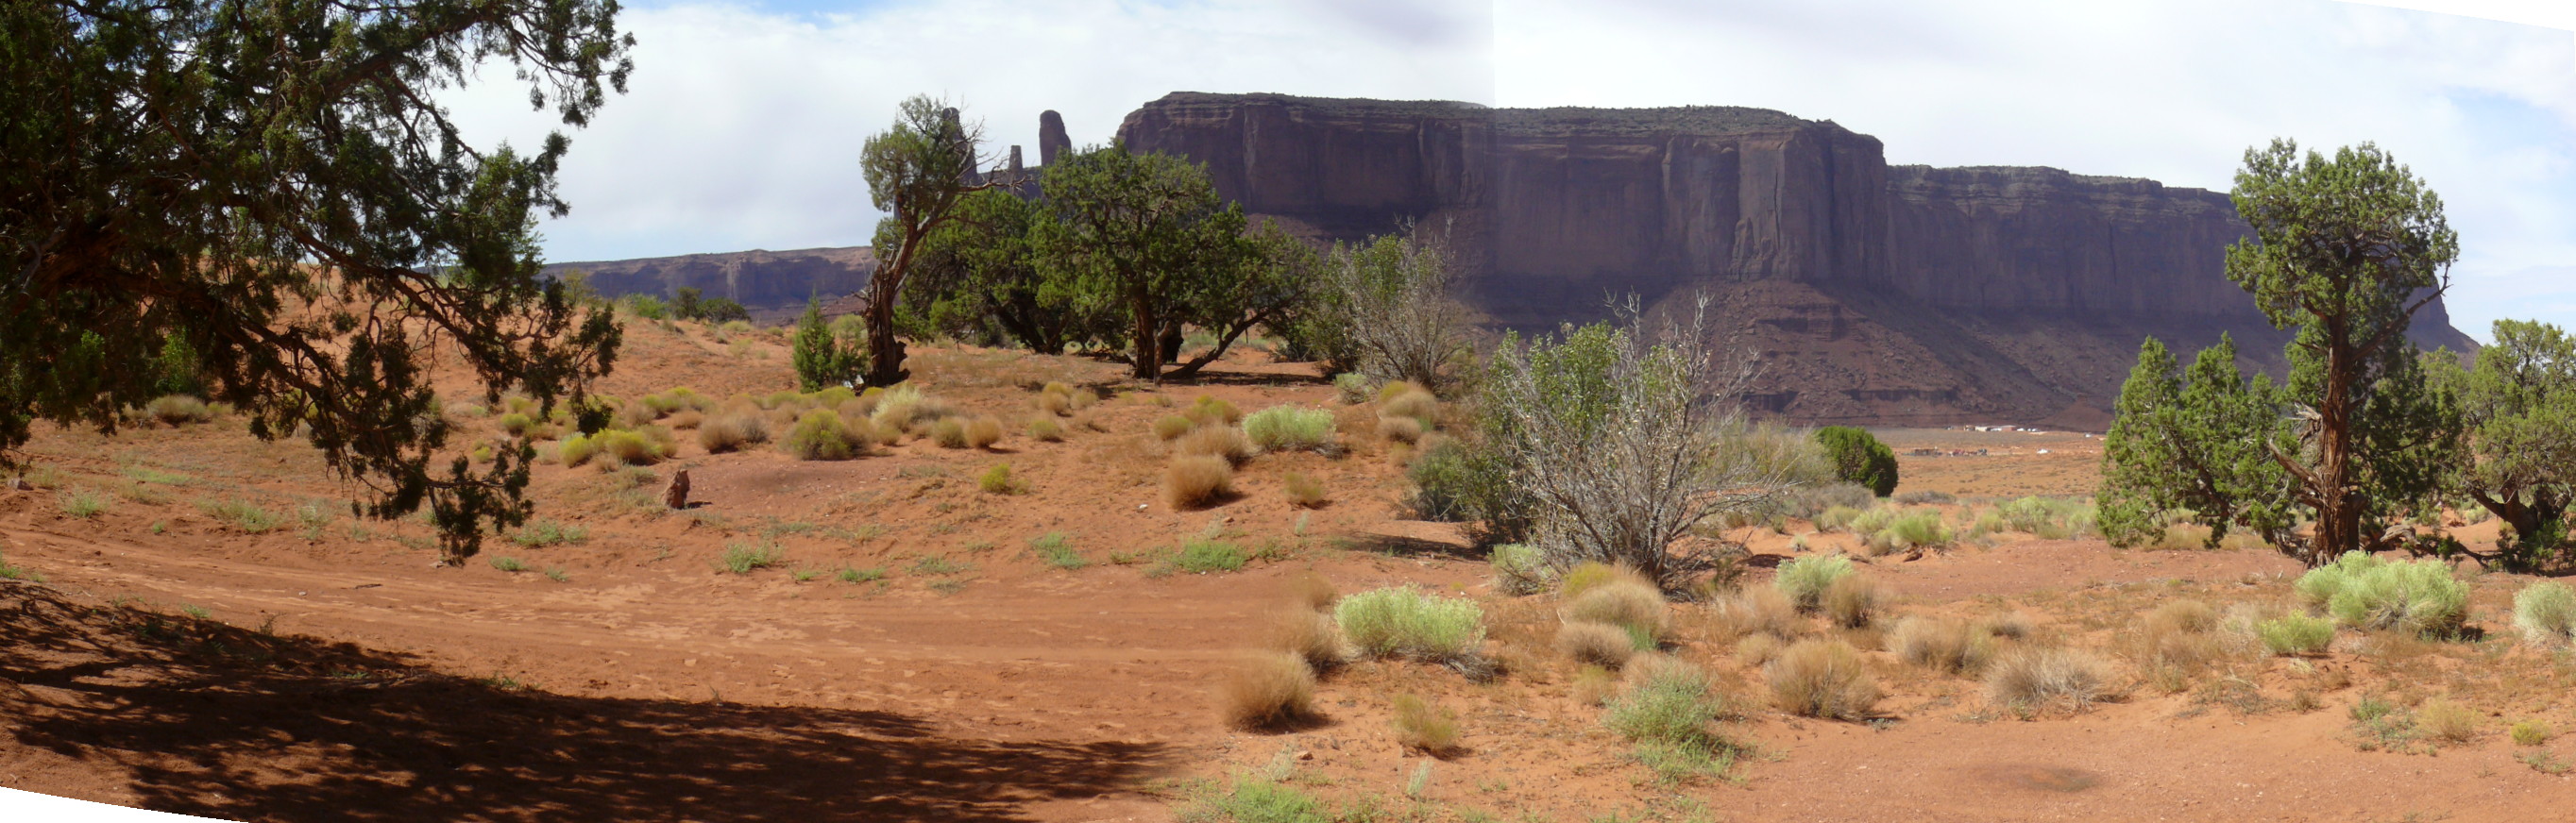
[2546, 613]
[1804, 579]
[1287, 428]
[2419, 596]
[1403, 621]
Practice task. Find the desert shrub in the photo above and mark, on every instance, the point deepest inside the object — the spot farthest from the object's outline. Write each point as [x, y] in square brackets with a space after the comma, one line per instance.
[516, 424]
[2038, 677]
[1208, 410]
[1859, 458]
[2174, 642]
[2447, 721]
[1837, 518]
[2546, 613]
[1312, 591]
[1399, 429]
[2182, 616]
[1303, 491]
[1598, 644]
[1172, 426]
[2532, 732]
[1056, 403]
[2009, 625]
[904, 405]
[1311, 636]
[1818, 678]
[997, 480]
[1851, 601]
[1941, 644]
[1416, 405]
[1192, 482]
[1205, 556]
[1056, 549]
[2295, 634]
[1217, 441]
[636, 413]
[1924, 498]
[1423, 727]
[2417, 596]
[1912, 530]
[631, 447]
[949, 433]
[1269, 691]
[83, 504]
[1810, 502]
[1633, 605]
[1288, 428]
[820, 435]
[176, 409]
[1758, 649]
[242, 515]
[1046, 430]
[2048, 517]
[1585, 577]
[1403, 621]
[1804, 579]
[1594, 685]
[512, 565]
[576, 450]
[542, 533]
[1519, 569]
[2318, 586]
[687, 419]
[1351, 387]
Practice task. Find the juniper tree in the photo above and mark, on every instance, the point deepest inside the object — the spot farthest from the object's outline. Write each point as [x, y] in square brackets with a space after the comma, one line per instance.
[2518, 407]
[2195, 443]
[822, 360]
[273, 186]
[2347, 249]
[918, 170]
[1143, 232]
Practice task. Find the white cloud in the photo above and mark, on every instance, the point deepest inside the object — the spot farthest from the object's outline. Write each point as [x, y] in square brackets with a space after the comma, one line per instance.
[744, 122]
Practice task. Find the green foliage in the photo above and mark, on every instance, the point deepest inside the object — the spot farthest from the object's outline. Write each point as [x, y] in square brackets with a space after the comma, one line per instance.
[1465, 482]
[2295, 634]
[1804, 579]
[1405, 621]
[1670, 714]
[1520, 569]
[512, 565]
[1859, 458]
[980, 278]
[645, 306]
[2046, 517]
[192, 162]
[1287, 428]
[742, 558]
[541, 533]
[2518, 406]
[689, 303]
[821, 359]
[242, 515]
[84, 504]
[1921, 529]
[2193, 444]
[916, 171]
[821, 435]
[1056, 548]
[2347, 249]
[2546, 613]
[2417, 596]
[1253, 801]
[997, 480]
[1204, 556]
[1384, 310]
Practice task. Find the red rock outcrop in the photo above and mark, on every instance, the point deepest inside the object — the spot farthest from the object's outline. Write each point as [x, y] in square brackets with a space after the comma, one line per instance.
[758, 279]
[1943, 294]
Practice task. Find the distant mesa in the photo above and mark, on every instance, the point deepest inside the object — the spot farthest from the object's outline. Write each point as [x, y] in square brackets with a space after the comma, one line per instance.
[1877, 294]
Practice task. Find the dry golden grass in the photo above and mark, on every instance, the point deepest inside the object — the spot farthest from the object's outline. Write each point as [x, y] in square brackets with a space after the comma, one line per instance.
[1594, 684]
[2007, 626]
[1412, 403]
[1628, 602]
[732, 432]
[1312, 591]
[1196, 481]
[949, 433]
[1597, 644]
[1851, 601]
[2174, 643]
[1225, 442]
[2447, 721]
[1269, 691]
[685, 419]
[1171, 427]
[1820, 678]
[1055, 404]
[1304, 491]
[1046, 430]
[2043, 677]
[1758, 648]
[1424, 727]
[1759, 610]
[1399, 429]
[983, 432]
[1311, 636]
[1941, 644]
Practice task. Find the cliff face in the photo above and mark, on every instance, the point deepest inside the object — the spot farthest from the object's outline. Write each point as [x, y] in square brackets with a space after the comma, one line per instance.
[1895, 293]
[757, 279]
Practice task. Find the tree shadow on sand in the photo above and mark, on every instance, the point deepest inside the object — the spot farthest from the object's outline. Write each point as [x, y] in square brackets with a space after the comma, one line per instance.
[223, 722]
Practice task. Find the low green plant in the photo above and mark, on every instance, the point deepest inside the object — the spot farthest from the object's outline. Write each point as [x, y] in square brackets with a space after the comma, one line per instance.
[542, 533]
[742, 558]
[857, 575]
[2417, 596]
[242, 515]
[2318, 586]
[558, 575]
[1404, 621]
[1288, 428]
[997, 480]
[1520, 569]
[1253, 801]
[2295, 634]
[1056, 549]
[1670, 715]
[1804, 579]
[2532, 732]
[821, 435]
[1921, 529]
[937, 564]
[1204, 556]
[84, 504]
[512, 565]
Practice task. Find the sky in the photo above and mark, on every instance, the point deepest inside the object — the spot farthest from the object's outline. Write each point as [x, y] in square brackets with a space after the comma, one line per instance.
[744, 118]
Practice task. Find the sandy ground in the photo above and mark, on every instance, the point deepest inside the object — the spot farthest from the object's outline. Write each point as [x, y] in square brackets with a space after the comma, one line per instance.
[324, 670]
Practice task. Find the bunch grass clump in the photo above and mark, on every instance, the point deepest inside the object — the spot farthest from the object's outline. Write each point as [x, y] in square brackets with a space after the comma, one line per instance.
[2295, 634]
[1046, 430]
[1193, 482]
[1424, 727]
[1919, 529]
[1311, 636]
[1171, 426]
[178, 409]
[1208, 556]
[1851, 601]
[1269, 691]
[1209, 410]
[731, 432]
[1595, 644]
[983, 432]
[821, 435]
[1289, 428]
[2034, 677]
[998, 480]
[1942, 644]
[2418, 596]
[1218, 441]
[1629, 603]
[1819, 678]
[1805, 579]
[1304, 491]
[1670, 711]
[1402, 621]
